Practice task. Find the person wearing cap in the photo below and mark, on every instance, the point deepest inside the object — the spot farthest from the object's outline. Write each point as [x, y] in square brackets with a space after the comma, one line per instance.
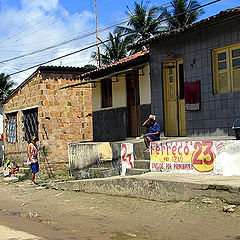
[153, 130]
[32, 151]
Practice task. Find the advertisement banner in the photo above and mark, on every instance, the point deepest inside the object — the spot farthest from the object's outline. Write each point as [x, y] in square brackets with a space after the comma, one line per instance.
[127, 157]
[188, 156]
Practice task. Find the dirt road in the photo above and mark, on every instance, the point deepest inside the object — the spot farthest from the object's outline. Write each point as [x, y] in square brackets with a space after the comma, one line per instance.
[56, 215]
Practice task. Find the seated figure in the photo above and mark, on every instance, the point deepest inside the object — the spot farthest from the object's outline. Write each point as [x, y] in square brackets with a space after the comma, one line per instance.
[153, 130]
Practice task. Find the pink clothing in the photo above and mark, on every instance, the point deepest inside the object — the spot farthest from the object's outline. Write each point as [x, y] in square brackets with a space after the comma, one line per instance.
[33, 153]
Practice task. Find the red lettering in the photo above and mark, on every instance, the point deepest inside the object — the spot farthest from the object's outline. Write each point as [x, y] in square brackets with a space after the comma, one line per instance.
[168, 147]
[168, 166]
[152, 148]
[208, 152]
[186, 150]
[124, 149]
[174, 148]
[157, 150]
[163, 148]
[179, 152]
[198, 150]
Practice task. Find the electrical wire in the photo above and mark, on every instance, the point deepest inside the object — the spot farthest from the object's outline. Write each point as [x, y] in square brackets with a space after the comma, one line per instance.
[60, 20]
[102, 42]
[39, 22]
[125, 20]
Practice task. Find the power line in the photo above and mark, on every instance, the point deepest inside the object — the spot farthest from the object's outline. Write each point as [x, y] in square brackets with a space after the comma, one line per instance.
[31, 21]
[88, 33]
[102, 42]
[57, 21]
[62, 43]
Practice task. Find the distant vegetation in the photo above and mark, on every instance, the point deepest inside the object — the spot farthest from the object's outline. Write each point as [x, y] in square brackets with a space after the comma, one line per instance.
[5, 86]
[145, 22]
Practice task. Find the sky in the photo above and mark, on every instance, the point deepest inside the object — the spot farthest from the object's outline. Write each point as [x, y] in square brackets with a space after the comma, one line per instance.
[27, 26]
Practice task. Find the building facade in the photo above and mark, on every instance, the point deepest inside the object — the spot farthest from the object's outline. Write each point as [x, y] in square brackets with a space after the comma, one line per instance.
[55, 116]
[121, 97]
[204, 54]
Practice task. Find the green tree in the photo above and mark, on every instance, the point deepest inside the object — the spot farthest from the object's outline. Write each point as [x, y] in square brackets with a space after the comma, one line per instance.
[144, 22]
[183, 13]
[114, 50]
[5, 85]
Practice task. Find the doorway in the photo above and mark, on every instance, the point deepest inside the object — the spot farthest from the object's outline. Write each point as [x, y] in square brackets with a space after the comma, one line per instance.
[173, 76]
[133, 104]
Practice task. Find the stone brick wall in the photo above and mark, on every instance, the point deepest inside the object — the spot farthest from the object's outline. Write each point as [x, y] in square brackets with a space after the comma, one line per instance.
[218, 111]
[62, 116]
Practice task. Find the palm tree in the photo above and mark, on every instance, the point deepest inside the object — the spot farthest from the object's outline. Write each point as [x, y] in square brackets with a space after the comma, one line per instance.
[184, 12]
[143, 22]
[114, 50]
[5, 85]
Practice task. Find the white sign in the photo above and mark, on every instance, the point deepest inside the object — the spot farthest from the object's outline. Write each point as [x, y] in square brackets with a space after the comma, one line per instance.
[127, 157]
[188, 156]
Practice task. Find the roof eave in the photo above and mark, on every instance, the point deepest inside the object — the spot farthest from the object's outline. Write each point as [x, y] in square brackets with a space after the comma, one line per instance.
[106, 71]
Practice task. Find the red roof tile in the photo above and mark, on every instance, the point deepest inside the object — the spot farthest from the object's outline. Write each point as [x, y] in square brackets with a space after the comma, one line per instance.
[122, 62]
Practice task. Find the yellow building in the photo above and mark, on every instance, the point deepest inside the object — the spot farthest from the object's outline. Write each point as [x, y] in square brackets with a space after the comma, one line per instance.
[121, 97]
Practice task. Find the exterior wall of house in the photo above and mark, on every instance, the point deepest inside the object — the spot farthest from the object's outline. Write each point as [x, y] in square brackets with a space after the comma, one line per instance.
[61, 116]
[217, 111]
[110, 123]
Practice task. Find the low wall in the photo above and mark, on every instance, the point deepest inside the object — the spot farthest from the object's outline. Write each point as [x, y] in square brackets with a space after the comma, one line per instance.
[203, 157]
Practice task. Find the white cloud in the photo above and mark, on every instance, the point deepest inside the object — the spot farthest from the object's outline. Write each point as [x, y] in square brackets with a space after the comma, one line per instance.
[38, 24]
[46, 5]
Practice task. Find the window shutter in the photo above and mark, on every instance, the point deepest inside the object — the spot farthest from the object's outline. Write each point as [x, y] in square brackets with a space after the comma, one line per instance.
[221, 67]
[235, 67]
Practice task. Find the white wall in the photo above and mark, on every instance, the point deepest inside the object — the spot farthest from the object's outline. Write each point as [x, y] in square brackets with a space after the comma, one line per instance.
[119, 91]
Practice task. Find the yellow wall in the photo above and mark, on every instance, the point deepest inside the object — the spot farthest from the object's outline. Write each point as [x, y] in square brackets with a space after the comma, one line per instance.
[119, 91]
[144, 85]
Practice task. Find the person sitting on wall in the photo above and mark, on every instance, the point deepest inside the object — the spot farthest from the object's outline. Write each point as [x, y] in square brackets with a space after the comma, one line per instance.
[153, 130]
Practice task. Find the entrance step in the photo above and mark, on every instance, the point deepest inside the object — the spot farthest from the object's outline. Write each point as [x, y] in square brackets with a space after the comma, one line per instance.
[20, 176]
[102, 172]
[105, 163]
[135, 171]
[24, 170]
[142, 164]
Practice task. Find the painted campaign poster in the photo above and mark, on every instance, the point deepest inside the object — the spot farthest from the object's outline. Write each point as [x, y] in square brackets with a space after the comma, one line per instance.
[127, 157]
[188, 156]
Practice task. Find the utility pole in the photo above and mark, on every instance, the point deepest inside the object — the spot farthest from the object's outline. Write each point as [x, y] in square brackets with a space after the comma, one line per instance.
[97, 40]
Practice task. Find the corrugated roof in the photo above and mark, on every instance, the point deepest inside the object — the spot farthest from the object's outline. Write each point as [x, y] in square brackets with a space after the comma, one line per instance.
[139, 57]
[221, 16]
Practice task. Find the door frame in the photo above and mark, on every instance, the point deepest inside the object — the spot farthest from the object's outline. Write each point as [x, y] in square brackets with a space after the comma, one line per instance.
[133, 130]
[181, 126]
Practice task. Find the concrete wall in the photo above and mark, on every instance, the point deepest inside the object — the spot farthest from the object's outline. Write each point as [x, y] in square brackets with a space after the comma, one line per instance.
[61, 115]
[217, 111]
[110, 124]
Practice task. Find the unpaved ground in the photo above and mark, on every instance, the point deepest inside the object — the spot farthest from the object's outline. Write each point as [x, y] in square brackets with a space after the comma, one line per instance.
[59, 215]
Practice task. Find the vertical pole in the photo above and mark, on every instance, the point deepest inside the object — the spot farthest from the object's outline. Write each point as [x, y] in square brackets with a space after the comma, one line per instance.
[97, 41]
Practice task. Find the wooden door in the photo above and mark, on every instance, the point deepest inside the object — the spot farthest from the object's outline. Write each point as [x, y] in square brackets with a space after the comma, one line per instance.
[133, 105]
[175, 124]
[180, 98]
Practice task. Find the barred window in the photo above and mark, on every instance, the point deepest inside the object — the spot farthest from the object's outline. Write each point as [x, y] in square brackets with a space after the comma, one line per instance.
[30, 123]
[11, 127]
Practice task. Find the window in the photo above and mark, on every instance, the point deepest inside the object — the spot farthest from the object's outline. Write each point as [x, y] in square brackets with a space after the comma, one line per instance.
[226, 62]
[30, 123]
[11, 127]
[106, 87]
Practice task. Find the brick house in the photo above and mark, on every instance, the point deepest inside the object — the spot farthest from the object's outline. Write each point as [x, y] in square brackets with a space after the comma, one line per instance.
[205, 56]
[56, 117]
[121, 97]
